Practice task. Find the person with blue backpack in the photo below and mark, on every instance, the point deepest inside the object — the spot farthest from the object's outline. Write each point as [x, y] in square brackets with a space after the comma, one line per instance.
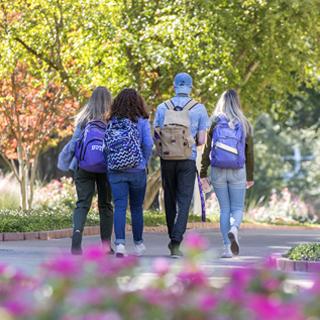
[84, 155]
[229, 151]
[128, 147]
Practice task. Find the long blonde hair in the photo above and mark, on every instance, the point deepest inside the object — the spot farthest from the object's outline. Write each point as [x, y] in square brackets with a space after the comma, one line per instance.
[229, 106]
[96, 108]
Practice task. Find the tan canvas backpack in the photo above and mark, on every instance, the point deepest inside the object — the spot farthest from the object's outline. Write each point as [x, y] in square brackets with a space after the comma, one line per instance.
[174, 141]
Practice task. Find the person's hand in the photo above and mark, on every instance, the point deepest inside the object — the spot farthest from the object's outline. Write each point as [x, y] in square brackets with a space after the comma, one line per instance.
[205, 185]
[249, 184]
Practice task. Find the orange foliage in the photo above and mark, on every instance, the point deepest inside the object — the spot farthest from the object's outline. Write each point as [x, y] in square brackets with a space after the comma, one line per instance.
[31, 114]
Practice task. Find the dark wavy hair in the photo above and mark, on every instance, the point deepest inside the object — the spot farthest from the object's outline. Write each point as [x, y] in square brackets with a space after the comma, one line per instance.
[129, 104]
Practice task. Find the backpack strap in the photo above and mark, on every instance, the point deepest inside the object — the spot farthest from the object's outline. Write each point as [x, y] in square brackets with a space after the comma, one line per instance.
[190, 104]
[169, 105]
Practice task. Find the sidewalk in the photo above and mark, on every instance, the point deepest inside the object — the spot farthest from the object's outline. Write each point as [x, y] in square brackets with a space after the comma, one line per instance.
[256, 244]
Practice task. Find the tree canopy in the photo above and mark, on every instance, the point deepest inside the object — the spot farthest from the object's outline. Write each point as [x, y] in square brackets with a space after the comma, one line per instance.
[265, 49]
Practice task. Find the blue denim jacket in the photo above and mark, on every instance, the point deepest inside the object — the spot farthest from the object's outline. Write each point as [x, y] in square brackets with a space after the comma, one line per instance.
[66, 160]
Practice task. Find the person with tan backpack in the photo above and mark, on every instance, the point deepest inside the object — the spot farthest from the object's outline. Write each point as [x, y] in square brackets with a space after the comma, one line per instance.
[180, 125]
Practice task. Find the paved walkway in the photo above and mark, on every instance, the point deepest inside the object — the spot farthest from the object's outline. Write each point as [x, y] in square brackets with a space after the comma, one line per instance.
[256, 244]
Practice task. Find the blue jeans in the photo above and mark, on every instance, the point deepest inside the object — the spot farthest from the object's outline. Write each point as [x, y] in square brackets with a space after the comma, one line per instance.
[230, 188]
[125, 185]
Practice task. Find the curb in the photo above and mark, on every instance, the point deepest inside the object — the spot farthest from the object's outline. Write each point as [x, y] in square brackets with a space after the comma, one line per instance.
[46, 235]
[88, 231]
[95, 230]
[288, 265]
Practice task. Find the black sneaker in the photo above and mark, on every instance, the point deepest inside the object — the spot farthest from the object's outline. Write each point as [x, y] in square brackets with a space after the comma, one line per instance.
[76, 243]
[175, 251]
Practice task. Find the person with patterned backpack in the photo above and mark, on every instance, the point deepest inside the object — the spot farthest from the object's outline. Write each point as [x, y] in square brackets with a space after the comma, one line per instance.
[179, 127]
[128, 146]
[229, 152]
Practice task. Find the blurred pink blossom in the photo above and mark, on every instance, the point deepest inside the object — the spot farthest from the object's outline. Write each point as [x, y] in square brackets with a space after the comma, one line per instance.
[65, 266]
[207, 301]
[193, 278]
[161, 266]
[196, 241]
[95, 253]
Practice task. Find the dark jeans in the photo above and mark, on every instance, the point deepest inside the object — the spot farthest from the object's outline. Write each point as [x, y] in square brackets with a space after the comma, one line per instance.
[178, 179]
[124, 186]
[85, 185]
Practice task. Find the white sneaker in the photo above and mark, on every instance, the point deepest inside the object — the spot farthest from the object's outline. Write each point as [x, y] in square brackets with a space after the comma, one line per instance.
[120, 250]
[233, 237]
[139, 249]
[227, 251]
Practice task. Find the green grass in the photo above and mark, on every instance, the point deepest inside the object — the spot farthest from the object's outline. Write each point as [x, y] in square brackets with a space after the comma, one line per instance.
[16, 220]
[38, 220]
[305, 252]
[49, 219]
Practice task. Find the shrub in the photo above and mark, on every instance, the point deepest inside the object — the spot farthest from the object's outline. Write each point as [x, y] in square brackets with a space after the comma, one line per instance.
[39, 220]
[56, 195]
[305, 252]
[96, 286]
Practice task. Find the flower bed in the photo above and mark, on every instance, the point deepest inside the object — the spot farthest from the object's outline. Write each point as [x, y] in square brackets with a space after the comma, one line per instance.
[99, 287]
[304, 257]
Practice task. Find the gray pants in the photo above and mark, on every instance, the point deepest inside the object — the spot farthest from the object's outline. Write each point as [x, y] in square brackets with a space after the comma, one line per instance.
[86, 183]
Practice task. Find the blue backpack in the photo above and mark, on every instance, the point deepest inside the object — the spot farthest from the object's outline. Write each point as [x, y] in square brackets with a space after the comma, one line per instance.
[89, 147]
[228, 145]
[122, 144]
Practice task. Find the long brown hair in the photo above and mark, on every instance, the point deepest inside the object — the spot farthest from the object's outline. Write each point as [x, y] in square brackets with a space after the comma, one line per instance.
[129, 104]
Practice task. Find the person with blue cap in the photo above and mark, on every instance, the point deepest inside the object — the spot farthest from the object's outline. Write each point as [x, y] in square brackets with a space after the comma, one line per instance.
[180, 126]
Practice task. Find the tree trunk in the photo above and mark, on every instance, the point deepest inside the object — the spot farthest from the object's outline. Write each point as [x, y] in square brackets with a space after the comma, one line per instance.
[153, 187]
[34, 167]
[22, 179]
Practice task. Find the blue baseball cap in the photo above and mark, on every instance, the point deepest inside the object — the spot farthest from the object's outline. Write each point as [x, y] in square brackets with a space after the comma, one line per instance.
[182, 83]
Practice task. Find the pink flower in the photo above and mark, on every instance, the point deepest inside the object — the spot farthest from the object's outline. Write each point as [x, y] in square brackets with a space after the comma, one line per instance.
[233, 294]
[271, 284]
[193, 278]
[195, 241]
[18, 307]
[270, 308]
[152, 295]
[65, 266]
[270, 262]
[95, 253]
[89, 296]
[315, 289]
[165, 299]
[3, 268]
[207, 302]
[161, 266]
[242, 277]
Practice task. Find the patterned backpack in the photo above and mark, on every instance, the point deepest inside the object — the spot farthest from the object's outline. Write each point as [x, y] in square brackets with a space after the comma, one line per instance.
[228, 145]
[122, 144]
[89, 148]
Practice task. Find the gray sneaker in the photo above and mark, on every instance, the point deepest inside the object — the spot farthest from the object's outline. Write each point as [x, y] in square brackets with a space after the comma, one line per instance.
[233, 237]
[175, 251]
[226, 251]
